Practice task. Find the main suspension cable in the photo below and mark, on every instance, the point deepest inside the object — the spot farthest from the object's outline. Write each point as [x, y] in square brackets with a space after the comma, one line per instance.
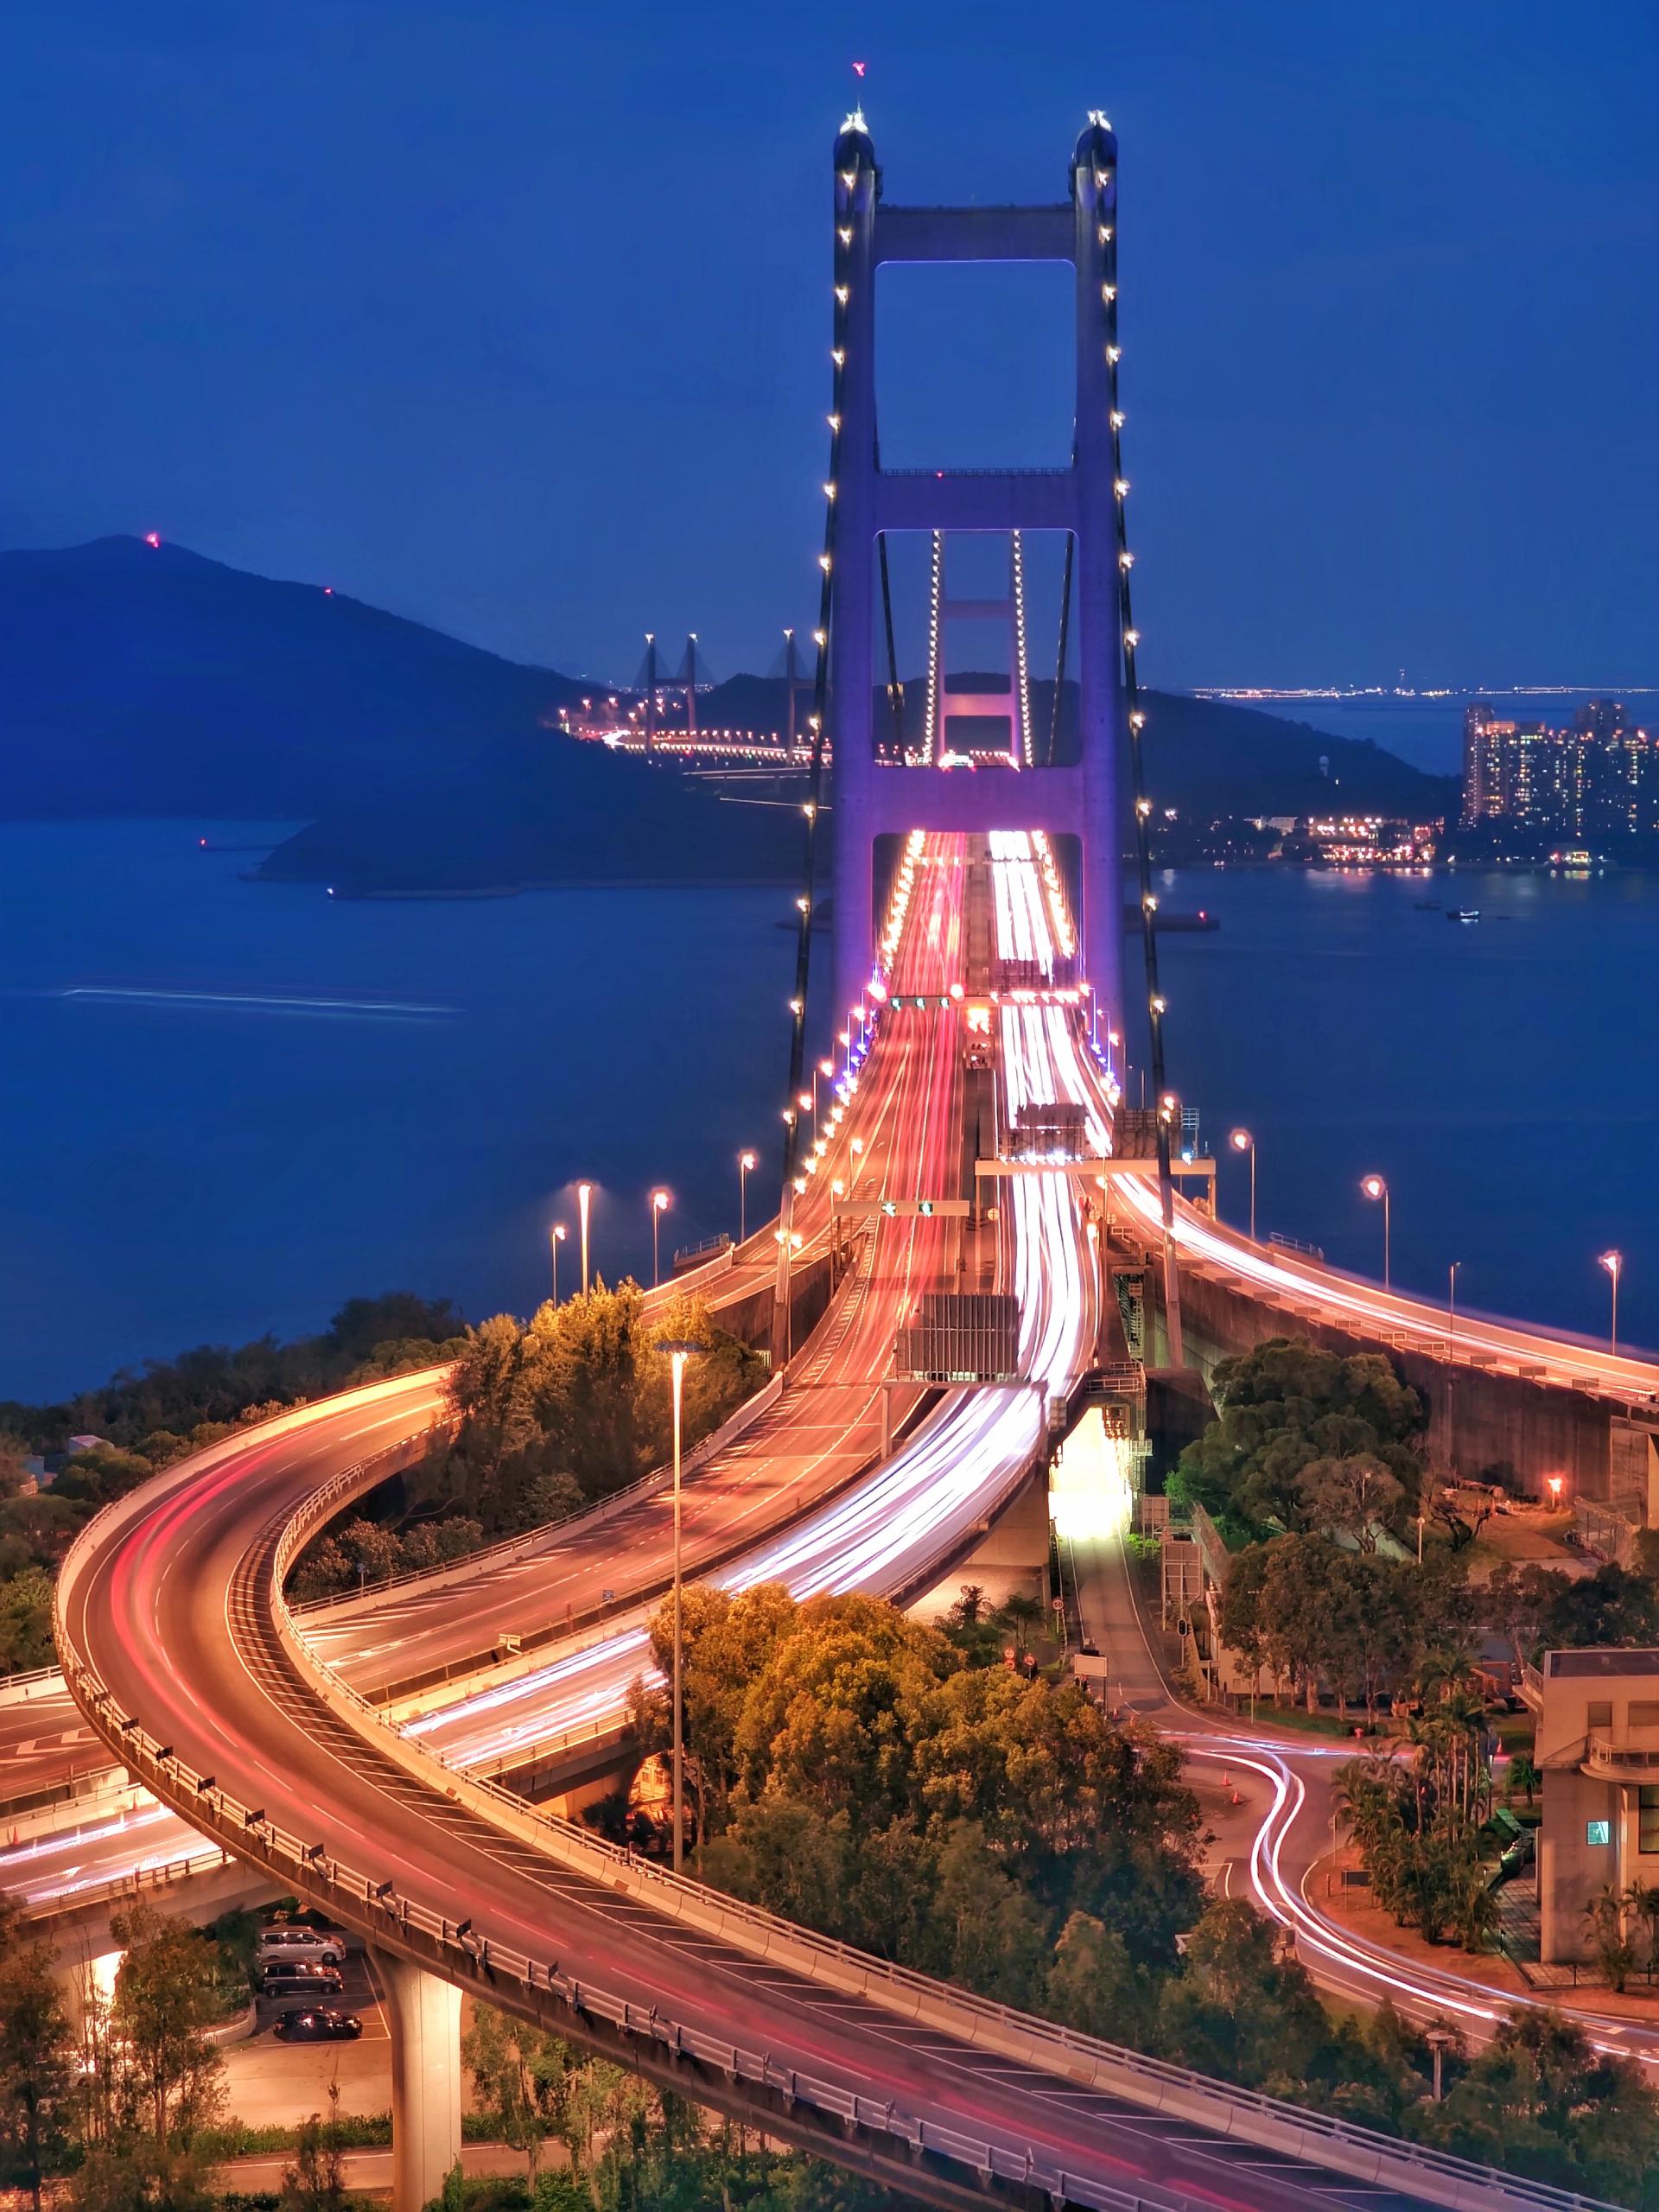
[1106, 186]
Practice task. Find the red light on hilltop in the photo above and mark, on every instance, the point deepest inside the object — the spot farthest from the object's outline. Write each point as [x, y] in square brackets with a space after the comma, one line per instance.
[153, 538]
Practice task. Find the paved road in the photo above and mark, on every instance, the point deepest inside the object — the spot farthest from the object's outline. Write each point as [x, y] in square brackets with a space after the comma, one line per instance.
[167, 1600]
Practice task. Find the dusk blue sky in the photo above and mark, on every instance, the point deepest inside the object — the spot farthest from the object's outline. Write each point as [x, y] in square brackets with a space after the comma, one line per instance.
[514, 317]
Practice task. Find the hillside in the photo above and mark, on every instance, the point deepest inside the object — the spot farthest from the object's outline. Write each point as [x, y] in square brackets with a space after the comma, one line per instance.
[145, 680]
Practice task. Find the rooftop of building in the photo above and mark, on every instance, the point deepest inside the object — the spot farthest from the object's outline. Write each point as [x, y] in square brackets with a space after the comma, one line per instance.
[1562, 1666]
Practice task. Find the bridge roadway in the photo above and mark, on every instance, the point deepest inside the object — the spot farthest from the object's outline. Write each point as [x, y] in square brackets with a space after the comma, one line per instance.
[903, 1110]
[179, 1585]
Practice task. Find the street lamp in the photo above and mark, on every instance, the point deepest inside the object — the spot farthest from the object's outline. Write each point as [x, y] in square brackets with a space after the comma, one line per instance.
[658, 1208]
[1451, 1361]
[678, 1353]
[1241, 1140]
[1613, 1261]
[584, 1206]
[1375, 1187]
[744, 1162]
[555, 1237]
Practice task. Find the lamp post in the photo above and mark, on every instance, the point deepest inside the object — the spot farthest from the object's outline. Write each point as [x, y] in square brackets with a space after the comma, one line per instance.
[1241, 1140]
[1451, 1359]
[555, 1237]
[678, 1353]
[584, 1206]
[744, 1162]
[1613, 1261]
[1375, 1187]
[658, 1208]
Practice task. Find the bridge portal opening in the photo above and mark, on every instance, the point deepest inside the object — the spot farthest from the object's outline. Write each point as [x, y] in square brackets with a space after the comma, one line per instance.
[973, 645]
[974, 365]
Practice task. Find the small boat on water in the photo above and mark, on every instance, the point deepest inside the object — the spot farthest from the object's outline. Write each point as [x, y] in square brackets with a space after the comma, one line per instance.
[1462, 914]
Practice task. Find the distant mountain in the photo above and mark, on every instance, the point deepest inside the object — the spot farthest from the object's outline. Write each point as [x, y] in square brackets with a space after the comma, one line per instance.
[146, 680]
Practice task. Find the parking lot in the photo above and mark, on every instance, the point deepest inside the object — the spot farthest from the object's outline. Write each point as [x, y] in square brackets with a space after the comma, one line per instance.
[270, 2083]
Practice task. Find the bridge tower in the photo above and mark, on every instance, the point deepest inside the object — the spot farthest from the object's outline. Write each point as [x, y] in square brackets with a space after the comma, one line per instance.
[875, 797]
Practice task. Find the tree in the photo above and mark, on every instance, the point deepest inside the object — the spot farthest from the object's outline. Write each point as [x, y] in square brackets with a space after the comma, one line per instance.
[1096, 1985]
[1240, 2007]
[26, 1620]
[37, 2051]
[995, 1933]
[1605, 1914]
[1354, 1497]
[1283, 1407]
[1240, 1618]
[141, 2175]
[1540, 2100]
[1018, 1618]
[316, 2180]
[521, 2079]
[167, 1993]
[1615, 1605]
[1523, 1775]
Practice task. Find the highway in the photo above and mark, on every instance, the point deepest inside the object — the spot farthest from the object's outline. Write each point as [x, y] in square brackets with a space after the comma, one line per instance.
[903, 1114]
[174, 1588]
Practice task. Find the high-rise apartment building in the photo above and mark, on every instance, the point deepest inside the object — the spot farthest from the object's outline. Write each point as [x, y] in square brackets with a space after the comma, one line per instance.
[1598, 780]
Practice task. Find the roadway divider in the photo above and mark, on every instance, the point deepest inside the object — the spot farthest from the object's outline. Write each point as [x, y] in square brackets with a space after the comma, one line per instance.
[1377, 2160]
[540, 1991]
[664, 2046]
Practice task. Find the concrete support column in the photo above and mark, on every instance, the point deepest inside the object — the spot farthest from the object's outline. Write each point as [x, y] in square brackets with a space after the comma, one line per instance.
[1096, 622]
[423, 2016]
[851, 636]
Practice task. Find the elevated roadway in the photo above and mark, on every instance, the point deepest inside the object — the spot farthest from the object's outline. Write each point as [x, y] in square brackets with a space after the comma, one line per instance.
[179, 1585]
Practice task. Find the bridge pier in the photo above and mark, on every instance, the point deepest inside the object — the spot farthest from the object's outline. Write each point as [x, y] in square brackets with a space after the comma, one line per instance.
[424, 2016]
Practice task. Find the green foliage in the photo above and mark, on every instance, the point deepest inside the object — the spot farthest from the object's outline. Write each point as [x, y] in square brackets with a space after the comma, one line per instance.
[866, 1777]
[1419, 1822]
[577, 1404]
[36, 2055]
[149, 1418]
[1312, 1611]
[363, 1551]
[215, 1383]
[1305, 1438]
[316, 2180]
[141, 2175]
[164, 2077]
[26, 1621]
[1541, 2101]
[522, 2080]
[1241, 2009]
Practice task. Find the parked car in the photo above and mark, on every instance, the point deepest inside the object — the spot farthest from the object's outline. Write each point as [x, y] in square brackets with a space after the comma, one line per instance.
[323, 1947]
[299, 1978]
[318, 2024]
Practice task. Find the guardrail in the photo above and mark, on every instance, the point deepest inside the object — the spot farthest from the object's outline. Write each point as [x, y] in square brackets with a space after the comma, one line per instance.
[435, 1939]
[39, 1681]
[510, 1549]
[1332, 2144]
[980, 2022]
[142, 1879]
[1605, 1755]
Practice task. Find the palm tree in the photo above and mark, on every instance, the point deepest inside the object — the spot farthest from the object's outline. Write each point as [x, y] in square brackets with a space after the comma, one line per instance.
[1605, 1914]
[1640, 1899]
[1018, 1615]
